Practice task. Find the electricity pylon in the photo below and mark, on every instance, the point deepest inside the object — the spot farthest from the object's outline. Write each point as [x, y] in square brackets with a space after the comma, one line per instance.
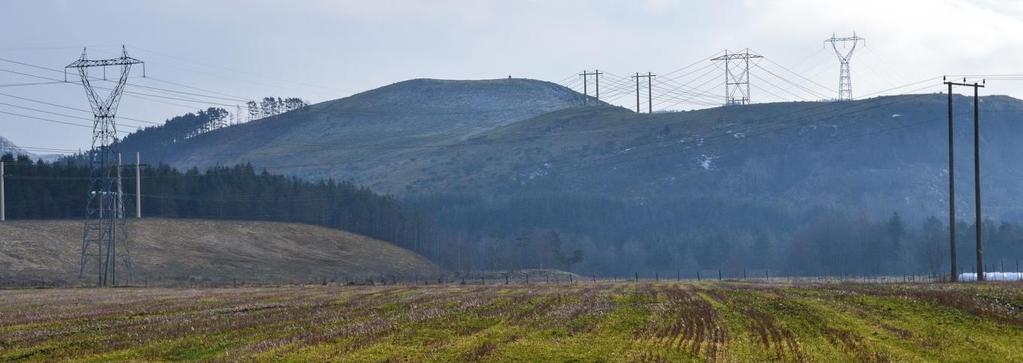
[104, 235]
[844, 78]
[737, 81]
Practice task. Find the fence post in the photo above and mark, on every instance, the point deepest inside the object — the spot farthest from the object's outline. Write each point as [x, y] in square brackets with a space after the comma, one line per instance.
[719, 274]
[657, 276]
[637, 277]
[697, 275]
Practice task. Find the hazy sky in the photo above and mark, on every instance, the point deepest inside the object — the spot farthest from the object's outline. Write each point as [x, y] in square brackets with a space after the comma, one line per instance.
[321, 50]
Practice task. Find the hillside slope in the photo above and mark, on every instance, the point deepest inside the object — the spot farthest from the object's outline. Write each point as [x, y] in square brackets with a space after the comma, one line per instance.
[167, 251]
[367, 137]
[880, 155]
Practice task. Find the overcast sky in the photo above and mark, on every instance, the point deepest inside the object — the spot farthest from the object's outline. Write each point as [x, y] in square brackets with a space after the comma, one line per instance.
[322, 50]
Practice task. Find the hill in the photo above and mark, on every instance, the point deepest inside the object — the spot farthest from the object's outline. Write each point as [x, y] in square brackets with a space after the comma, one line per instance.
[173, 252]
[367, 137]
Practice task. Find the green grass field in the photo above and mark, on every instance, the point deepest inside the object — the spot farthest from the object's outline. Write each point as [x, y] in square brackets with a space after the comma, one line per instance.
[646, 321]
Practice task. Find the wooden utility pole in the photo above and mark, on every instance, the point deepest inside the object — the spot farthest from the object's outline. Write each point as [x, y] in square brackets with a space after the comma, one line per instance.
[138, 186]
[596, 74]
[951, 191]
[3, 207]
[976, 178]
[649, 93]
[637, 91]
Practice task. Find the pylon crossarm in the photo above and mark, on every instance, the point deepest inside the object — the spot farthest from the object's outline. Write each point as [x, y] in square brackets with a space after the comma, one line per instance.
[86, 63]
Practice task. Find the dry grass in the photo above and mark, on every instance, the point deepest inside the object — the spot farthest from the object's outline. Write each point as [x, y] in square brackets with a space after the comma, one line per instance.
[166, 251]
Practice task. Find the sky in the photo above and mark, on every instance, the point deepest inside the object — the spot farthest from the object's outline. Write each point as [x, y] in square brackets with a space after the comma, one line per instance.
[321, 50]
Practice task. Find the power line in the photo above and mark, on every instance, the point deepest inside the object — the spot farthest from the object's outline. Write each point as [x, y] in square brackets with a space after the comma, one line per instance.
[49, 120]
[27, 84]
[228, 69]
[74, 108]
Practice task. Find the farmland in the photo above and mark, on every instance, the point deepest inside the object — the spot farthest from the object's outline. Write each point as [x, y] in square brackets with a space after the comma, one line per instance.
[645, 321]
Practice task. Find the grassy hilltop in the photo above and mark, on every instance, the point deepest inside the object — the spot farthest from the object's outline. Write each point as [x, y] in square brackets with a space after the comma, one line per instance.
[668, 321]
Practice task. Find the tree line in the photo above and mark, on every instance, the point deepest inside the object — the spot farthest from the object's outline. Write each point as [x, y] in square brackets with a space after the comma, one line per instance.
[271, 106]
[612, 237]
[41, 190]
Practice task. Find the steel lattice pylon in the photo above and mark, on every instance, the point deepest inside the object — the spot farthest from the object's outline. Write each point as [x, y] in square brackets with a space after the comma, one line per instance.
[737, 81]
[844, 78]
[105, 236]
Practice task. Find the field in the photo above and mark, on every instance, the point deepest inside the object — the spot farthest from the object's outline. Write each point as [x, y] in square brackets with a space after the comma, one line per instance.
[585, 321]
[187, 252]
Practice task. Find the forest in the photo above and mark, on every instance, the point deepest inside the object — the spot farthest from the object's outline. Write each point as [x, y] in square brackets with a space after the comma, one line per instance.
[683, 237]
[41, 190]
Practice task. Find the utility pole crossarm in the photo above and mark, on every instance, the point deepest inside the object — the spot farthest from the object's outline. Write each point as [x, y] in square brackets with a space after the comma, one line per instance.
[736, 56]
[86, 63]
[978, 85]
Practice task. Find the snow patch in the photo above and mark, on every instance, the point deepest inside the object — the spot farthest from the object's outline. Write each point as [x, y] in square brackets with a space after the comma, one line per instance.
[992, 276]
[706, 161]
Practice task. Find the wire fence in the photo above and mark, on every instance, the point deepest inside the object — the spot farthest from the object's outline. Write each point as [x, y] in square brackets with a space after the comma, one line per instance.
[493, 278]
